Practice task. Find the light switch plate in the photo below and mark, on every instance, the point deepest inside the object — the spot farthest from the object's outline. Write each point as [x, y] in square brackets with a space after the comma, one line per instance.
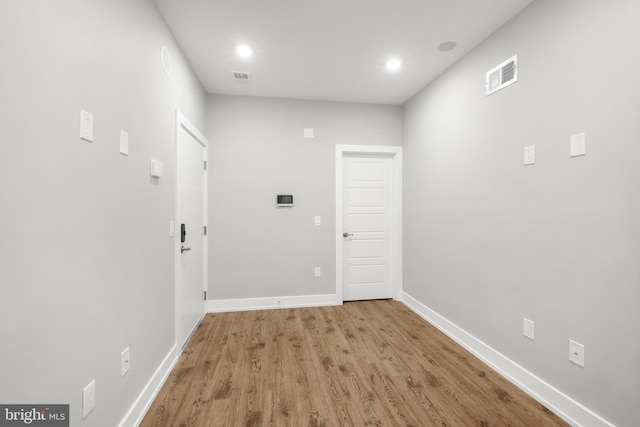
[316, 220]
[308, 132]
[172, 228]
[316, 272]
[578, 145]
[529, 155]
[86, 126]
[527, 328]
[576, 353]
[156, 168]
[124, 143]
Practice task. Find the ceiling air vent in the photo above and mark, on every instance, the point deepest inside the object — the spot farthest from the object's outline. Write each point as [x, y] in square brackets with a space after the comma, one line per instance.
[241, 76]
[503, 75]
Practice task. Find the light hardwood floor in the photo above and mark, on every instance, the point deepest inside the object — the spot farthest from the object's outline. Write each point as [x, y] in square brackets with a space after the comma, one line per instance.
[363, 363]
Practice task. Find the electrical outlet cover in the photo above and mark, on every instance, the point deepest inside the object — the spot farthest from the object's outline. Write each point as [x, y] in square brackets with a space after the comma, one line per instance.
[86, 126]
[124, 143]
[576, 353]
[528, 328]
[88, 398]
[125, 361]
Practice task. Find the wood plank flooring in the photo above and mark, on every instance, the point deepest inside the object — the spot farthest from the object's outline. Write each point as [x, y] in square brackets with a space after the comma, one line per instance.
[364, 363]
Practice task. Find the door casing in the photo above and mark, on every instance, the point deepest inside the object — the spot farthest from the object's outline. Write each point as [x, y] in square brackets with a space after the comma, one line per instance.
[395, 153]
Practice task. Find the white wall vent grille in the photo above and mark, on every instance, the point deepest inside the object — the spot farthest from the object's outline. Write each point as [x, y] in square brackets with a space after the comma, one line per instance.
[503, 75]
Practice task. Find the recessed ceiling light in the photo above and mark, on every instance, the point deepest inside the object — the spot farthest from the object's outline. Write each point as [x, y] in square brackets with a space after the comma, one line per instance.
[446, 46]
[244, 51]
[393, 64]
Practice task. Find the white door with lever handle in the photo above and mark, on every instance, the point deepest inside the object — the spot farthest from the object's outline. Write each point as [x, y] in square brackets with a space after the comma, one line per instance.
[367, 215]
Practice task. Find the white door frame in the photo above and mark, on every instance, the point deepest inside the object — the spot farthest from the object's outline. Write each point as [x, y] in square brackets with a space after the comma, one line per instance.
[395, 153]
[186, 125]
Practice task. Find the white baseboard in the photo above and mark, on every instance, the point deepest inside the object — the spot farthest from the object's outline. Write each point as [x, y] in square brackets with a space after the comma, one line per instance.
[267, 303]
[138, 410]
[564, 406]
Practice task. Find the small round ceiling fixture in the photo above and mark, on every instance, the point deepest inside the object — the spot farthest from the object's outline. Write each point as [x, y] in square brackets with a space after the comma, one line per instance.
[446, 46]
[244, 51]
[166, 61]
[393, 64]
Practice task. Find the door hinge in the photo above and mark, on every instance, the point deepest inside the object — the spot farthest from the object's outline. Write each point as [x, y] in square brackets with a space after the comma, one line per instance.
[205, 230]
[205, 295]
[205, 165]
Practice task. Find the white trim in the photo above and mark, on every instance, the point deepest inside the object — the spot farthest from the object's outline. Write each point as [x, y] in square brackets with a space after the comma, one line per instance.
[564, 406]
[142, 404]
[395, 152]
[183, 123]
[181, 120]
[268, 303]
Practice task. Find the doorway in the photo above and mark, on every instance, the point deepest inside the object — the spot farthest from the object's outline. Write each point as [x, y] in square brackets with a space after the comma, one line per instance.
[190, 240]
[368, 222]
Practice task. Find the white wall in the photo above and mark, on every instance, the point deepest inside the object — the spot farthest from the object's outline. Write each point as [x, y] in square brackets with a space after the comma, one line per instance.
[489, 241]
[257, 151]
[86, 264]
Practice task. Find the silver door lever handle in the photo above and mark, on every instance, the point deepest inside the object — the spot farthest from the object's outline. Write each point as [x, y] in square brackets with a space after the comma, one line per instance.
[183, 249]
[345, 234]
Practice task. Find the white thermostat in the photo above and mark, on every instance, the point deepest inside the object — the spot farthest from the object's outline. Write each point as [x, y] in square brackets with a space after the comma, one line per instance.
[284, 200]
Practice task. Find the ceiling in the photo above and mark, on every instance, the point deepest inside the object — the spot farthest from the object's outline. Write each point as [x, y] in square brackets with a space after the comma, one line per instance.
[332, 50]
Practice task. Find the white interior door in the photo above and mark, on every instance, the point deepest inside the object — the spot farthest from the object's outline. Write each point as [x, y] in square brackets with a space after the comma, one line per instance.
[190, 236]
[367, 227]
